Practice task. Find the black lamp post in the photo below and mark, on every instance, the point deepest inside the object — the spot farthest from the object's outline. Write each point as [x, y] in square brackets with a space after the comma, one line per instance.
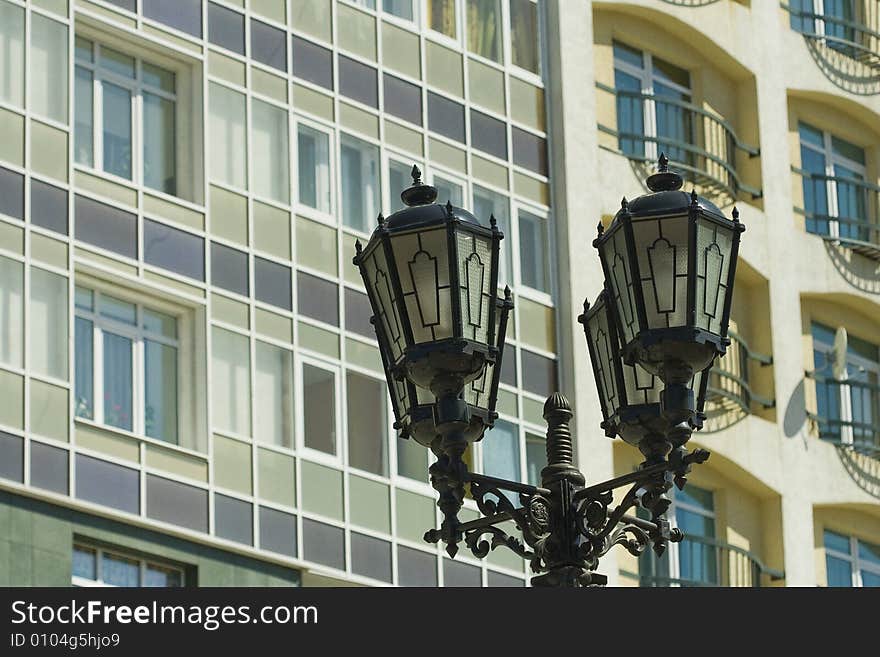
[431, 275]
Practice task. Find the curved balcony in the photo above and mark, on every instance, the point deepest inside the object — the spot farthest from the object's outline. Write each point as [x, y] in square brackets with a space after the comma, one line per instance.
[842, 210]
[846, 43]
[708, 562]
[730, 384]
[847, 413]
[699, 143]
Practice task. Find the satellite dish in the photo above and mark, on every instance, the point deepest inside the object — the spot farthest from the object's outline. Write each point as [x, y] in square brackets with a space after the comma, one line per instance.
[838, 354]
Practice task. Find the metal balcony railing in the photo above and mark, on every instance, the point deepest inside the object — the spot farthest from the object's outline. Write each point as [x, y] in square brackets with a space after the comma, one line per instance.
[708, 562]
[699, 143]
[847, 413]
[730, 387]
[845, 210]
[854, 32]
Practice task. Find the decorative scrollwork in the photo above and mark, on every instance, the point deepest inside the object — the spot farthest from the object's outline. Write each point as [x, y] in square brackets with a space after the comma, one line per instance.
[480, 547]
[635, 540]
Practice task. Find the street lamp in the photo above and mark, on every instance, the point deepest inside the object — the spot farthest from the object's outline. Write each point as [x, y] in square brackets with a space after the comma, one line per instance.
[431, 275]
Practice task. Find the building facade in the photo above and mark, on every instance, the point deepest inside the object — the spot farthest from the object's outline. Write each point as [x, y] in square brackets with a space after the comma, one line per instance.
[190, 390]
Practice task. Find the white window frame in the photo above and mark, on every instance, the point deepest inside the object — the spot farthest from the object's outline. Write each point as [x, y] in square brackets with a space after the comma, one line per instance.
[370, 221]
[98, 582]
[856, 566]
[330, 216]
[390, 433]
[508, 32]
[832, 159]
[137, 334]
[316, 455]
[647, 78]
[425, 24]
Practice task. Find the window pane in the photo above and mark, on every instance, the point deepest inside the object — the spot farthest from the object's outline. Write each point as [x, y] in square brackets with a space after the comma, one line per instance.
[486, 204]
[538, 373]
[158, 77]
[160, 323]
[48, 68]
[117, 63]
[402, 99]
[445, 117]
[231, 382]
[117, 130]
[484, 28]
[229, 268]
[177, 503]
[838, 571]
[401, 8]
[317, 298]
[367, 423]
[869, 555]
[84, 298]
[11, 312]
[524, 34]
[83, 50]
[361, 201]
[312, 62]
[500, 580]
[536, 458]
[228, 136]
[121, 311]
[358, 313]
[174, 250]
[84, 563]
[370, 557]
[314, 168]
[105, 226]
[448, 191]
[11, 193]
[533, 252]
[274, 415]
[272, 283]
[457, 574]
[324, 544]
[49, 468]
[277, 531]
[159, 139]
[84, 387]
[529, 151]
[233, 519]
[160, 391]
[488, 134]
[441, 16]
[836, 542]
[698, 497]
[226, 28]
[12, 47]
[358, 81]
[49, 206]
[84, 126]
[107, 483]
[161, 576]
[319, 412]
[48, 323]
[268, 45]
[270, 152]
[415, 568]
[185, 15]
[398, 180]
[117, 381]
[11, 457]
[501, 453]
[411, 459]
[119, 571]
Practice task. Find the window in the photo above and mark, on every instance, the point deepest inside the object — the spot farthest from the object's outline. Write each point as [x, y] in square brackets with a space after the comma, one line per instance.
[850, 561]
[539, 373]
[94, 566]
[486, 204]
[270, 151]
[229, 269]
[174, 249]
[416, 568]
[317, 298]
[488, 134]
[273, 398]
[319, 409]
[313, 156]
[11, 312]
[401, 8]
[847, 397]
[358, 313]
[184, 15]
[448, 191]
[12, 47]
[233, 519]
[533, 249]
[312, 62]
[49, 468]
[110, 85]
[48, 206]
[268, 45]
[226, 28]
[501, 456]
[11, 193]
[11, 457]
[529, 151]
[231, 379]
[108, 484]
[272, 283]
[48, 68]
[441, 17]
[106, 227]
[177, 503]
[398, 180]
[361, 200]
[412, 459]
[536, 457]
[323, 543]
[228, 136]
[693, 561]
[358, 81]
[277, 531]
[457, 573]
[371, 557]
[367, 423]
[127, 361]
[47, 331]
[524, 39]
[836, 196]
[403, 99]
[445, 117]
[650, 115]
[484, 28]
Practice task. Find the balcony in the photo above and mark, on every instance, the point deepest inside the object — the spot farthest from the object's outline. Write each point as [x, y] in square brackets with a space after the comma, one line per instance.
[707, 562]
[847, 413]
[730, 390]
[842, 210]
[700, 144]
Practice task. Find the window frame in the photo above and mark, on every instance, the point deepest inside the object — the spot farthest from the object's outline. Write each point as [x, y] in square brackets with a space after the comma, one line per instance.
[852, 559]
[330, 217]
[143, 563]
[311, 453]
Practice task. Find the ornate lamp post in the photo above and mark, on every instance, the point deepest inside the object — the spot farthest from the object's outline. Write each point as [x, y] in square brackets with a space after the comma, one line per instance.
[431, 275]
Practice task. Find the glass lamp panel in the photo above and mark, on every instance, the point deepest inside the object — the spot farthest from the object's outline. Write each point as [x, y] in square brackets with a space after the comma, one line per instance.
[399, 390]
[620, 280]
[714, 247]
[474, 255]
[381, 289]
[422, 260]
[477, 392]
[641, 387]
[662, 249]
[601, 336]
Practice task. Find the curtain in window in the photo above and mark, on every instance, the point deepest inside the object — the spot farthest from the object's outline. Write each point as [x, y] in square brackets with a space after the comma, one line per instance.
[484, 28]
[524, 34]
[11, 312]
[159, 139]
[160, 391]
[11, 54]
[117, 130]
[270, 152]
[48, 323]
[83, 120]
[48, 68]
[441, 16]
[359, 163]
[231, 382]
[313, 156]
[118, 411]
[228, 136]
[273, 419]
